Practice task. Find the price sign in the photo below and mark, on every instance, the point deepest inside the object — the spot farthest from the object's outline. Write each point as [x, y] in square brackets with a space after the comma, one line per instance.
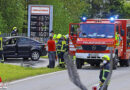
[40, 18]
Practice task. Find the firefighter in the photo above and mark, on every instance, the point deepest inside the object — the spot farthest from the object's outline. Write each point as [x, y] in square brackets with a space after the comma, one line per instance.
[105, 69]
[67, 42]
[117, 39]
[61, 48]
[84, 35]
[1, 49]
[14, 32]
[53, 35]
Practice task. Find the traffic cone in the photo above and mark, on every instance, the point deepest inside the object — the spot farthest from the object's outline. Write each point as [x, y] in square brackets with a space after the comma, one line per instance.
[0, 80]
[1, 84]
[94, 88]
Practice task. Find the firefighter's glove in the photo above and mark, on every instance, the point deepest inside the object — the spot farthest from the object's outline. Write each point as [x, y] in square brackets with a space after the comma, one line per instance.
[100, 83]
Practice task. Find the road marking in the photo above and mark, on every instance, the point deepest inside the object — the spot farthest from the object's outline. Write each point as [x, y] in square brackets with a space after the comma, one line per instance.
[29, 78]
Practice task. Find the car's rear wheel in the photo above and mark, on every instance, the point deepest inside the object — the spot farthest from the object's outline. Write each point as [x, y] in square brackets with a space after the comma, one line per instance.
[35, 55]
[78, 63]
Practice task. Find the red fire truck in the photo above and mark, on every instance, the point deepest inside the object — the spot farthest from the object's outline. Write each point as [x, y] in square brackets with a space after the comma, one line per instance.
[94, 38]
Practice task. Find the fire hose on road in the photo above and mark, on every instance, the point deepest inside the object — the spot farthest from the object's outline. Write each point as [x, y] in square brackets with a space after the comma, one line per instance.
[72, 71]
[74, 76]
[110, 73]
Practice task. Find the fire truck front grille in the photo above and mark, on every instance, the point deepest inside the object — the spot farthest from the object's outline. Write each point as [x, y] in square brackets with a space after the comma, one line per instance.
[94, 47]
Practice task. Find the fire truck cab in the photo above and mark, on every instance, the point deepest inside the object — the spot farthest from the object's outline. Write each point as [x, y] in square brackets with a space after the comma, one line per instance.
[89, 41]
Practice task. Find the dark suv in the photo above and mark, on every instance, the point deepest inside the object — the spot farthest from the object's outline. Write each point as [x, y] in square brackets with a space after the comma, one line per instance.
[23, 47]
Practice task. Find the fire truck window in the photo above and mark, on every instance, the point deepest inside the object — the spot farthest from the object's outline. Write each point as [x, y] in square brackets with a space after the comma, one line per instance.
[117, 29]
[74, 29]
[128, 36]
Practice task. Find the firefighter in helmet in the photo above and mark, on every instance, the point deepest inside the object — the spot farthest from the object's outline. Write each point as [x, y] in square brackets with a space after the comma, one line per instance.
[105, 69]
[61, 48]
[54, 36]
[1, 49]
[14, 32]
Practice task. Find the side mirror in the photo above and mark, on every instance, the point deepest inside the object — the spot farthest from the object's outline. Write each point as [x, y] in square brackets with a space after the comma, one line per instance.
[122, 32]
[117, 28]
[72, 33]
[72, 30]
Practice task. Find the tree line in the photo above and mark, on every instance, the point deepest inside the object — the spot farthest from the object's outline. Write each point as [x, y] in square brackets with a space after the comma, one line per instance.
[14, 12]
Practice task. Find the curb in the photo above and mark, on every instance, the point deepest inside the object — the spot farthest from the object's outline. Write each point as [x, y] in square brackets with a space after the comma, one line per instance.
[29, 78]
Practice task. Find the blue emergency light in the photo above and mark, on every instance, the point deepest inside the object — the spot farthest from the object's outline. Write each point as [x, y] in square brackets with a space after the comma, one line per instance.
[112, 19]
[83, 19]
[116, 16]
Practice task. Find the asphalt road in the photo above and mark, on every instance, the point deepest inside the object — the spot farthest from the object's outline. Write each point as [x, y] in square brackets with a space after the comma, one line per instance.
[60, 80]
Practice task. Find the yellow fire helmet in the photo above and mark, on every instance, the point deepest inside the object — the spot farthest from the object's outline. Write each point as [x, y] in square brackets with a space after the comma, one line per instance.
[64, 36]
[106, 57]
[59, 36]
[14, 28]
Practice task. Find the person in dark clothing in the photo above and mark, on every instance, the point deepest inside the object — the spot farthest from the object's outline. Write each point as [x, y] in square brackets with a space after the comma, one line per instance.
[67, 44]
[14, 32]
[51, 52]
[1, 50]
[105, 69]
[61, 48]
[84, 35]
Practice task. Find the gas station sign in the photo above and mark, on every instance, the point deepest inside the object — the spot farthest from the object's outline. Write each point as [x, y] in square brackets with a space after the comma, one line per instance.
[40, 18]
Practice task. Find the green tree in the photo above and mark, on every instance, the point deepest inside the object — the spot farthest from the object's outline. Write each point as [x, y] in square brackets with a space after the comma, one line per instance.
[126, 10]
[116, 7]
[2, 24]
[76, 9]
[12, 13]
[104, 8]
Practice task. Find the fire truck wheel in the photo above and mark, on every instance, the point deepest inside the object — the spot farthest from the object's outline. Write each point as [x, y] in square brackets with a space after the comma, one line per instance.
[115, 61]
[124, 63]
[92, 64]
[114, 66]
[127, 63]
[121, 63]
[97, 65]
[78, 63]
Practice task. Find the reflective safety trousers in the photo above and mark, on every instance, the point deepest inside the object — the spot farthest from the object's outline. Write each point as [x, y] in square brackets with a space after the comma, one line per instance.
[104, 72]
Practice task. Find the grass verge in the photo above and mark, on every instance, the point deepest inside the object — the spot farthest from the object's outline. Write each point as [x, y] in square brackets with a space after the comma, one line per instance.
[44, 56]
[13, 72]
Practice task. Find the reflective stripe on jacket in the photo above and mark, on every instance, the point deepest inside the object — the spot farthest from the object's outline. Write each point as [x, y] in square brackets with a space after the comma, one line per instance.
[61, 45]
[104, 72]
[117, 39]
